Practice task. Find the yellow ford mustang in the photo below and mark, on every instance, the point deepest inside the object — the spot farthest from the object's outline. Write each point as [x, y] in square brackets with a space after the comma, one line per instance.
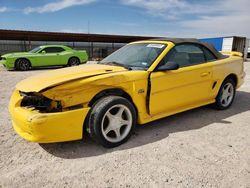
[141, 82]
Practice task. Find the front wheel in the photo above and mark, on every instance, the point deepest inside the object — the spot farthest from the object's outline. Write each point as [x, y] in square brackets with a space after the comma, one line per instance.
[23, 65]
[226, 95]
[111, 121]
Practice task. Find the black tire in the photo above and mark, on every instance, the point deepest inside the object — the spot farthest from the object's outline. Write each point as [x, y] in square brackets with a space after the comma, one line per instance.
[99, 118]
[22, 65]
[73, 61]
[219, 104]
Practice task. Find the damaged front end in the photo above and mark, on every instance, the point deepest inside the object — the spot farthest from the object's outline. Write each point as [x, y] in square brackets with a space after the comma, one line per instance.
[39, 102]
[38, 118]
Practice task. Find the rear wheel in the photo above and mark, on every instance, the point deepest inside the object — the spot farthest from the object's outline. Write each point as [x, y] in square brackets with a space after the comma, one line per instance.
[226, 95]
[23, 65]
[73, 61]
[111, 121]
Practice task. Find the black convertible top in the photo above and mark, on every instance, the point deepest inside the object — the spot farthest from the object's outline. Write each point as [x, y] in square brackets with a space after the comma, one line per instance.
[178, 40]
[194, 41]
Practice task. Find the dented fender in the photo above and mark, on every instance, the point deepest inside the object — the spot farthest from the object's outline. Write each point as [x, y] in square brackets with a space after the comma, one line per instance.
[82, 91]
[74, 88]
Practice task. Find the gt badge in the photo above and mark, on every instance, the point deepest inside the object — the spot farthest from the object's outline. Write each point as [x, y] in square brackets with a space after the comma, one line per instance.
[141, 91]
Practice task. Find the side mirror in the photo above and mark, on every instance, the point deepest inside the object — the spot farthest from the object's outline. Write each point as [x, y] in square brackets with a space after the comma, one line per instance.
[170, 65]
[43, 52]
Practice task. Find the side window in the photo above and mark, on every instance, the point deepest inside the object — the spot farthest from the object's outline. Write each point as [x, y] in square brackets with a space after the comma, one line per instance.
[209, 56]
[59, 49]
[53, 50]
[186, 55]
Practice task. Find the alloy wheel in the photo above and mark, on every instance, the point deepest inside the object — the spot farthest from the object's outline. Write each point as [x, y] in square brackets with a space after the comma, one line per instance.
[227, 94]
[74, 62]
[116, 123]
[23, 64]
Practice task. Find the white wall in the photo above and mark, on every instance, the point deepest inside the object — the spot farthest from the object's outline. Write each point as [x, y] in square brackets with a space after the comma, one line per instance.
[227, 44]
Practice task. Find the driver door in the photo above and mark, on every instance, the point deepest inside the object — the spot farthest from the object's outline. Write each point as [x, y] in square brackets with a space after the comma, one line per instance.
[177, 90]
[49, 56]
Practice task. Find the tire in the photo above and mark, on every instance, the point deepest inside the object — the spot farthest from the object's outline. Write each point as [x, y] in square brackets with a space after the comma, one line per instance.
[111, 121]
[73, 61]
[22, 65]
[226, 95]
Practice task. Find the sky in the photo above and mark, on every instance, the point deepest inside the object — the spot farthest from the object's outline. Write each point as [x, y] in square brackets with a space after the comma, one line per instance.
[166, 18]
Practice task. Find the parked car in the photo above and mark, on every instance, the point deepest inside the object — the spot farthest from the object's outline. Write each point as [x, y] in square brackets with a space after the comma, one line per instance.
[141, 82]
[44, 56]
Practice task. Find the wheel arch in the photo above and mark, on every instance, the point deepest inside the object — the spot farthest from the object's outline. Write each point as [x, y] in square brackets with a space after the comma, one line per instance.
[104, 93]
[74, 56]
[233, 77]
[22, 58]
[113, 91]
[230, 76]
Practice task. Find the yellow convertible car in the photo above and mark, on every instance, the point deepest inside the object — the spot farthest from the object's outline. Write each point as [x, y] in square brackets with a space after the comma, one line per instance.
[141, 82]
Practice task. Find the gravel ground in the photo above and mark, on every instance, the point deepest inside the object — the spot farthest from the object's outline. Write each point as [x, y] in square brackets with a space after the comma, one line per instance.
[198, 148]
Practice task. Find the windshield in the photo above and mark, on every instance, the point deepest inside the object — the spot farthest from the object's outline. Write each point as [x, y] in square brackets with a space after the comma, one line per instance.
[35, 50]
[135, 55]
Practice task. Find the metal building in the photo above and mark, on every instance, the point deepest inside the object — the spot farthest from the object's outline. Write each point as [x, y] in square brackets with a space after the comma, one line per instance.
[98, 46]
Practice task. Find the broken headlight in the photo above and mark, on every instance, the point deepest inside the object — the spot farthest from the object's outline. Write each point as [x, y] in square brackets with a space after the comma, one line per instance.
[39, 102]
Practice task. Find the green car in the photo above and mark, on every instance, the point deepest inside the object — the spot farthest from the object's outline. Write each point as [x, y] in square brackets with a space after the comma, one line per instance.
[44, 56]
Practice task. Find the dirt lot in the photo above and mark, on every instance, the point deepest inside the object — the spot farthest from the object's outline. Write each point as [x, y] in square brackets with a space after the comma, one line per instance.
[198, 148]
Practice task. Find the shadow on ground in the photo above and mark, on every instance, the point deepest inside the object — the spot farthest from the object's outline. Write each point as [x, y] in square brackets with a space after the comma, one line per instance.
[41, 68]
[2, 68]
[155, 131]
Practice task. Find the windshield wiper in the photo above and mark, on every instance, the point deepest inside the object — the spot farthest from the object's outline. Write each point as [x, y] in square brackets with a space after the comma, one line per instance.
[117, 64]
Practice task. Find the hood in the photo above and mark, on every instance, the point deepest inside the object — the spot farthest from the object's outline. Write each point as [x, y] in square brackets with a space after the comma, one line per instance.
[16, 54]
[59, 76]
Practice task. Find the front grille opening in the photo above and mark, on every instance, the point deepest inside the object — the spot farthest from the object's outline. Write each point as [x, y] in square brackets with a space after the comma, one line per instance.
[40, 103]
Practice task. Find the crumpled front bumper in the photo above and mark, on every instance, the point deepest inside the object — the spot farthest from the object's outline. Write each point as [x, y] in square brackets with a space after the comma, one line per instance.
[46, 127]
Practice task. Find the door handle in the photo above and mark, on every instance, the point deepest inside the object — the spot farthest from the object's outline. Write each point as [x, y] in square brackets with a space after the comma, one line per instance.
[205, 74]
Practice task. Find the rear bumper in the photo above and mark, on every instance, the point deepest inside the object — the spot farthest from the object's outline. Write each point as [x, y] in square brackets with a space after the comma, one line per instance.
[46, 127]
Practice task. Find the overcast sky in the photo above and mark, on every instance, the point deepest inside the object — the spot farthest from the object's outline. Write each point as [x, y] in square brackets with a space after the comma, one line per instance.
[172, 18]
